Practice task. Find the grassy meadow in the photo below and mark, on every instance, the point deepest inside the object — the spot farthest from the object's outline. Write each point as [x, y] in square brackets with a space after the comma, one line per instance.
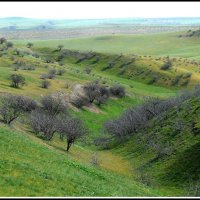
[157, 44]
[31, 166]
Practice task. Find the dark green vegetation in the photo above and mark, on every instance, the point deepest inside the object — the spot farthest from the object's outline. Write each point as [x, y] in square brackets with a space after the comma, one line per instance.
[157, 157]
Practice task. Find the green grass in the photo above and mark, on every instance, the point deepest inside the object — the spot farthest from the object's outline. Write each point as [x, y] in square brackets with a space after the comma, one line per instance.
[161, 44]
[178, 171]
[31, 169]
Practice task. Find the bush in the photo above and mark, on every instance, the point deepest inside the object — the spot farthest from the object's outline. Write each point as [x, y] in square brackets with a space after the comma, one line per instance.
[167, 65]
[45, 84]
[29, 44]
[79, 101]
[88, 70]
[60, 72]
[52, 71]
[118, 91]
[2, 40]
[9, 44]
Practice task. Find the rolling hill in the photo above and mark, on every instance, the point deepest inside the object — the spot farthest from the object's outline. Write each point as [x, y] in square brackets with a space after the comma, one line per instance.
[31, 166]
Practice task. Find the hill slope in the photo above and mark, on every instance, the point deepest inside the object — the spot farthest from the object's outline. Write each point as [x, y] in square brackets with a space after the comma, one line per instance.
[32, 169]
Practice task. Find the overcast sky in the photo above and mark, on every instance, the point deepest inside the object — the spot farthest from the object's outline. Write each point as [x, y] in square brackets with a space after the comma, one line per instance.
[95, 10]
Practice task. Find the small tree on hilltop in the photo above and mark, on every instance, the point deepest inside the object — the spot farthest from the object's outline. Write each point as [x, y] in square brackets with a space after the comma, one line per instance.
[17, 80]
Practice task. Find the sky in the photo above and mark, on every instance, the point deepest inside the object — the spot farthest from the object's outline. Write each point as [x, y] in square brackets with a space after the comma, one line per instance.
[98, 10]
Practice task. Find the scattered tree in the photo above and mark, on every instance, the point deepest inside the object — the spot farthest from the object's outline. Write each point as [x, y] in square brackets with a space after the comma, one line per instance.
[72, 129]
[12, 106]
[17, 80]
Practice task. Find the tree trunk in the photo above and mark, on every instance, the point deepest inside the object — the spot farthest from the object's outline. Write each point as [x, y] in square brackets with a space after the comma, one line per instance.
[69, 143]
[68, 146]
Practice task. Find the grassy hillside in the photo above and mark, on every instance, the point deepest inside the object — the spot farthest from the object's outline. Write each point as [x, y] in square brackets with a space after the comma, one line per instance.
[161, 44]
[30, 168]
[177, 131]
[33, 167]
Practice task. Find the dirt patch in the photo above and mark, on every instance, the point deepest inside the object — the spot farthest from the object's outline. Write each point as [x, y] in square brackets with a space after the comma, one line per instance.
[92, 108]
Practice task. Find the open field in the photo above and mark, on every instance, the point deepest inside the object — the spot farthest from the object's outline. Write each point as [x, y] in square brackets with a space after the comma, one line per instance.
[165, 44]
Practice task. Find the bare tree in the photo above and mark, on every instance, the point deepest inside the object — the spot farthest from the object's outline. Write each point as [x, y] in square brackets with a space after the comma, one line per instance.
[91, 91]
[54, 104]
[17, 80]
[72, 129]
[43, 123]
[102, 95]
[12, 106]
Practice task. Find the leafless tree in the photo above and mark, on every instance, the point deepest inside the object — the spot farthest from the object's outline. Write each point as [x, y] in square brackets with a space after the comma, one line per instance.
[72, 129]
[12, 106]
[54, 105]
[91, 91]
[17, 80]
[43, 123]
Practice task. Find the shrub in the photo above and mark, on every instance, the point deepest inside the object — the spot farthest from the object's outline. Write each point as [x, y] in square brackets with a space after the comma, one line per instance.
[79, 101]
[52, 71]
[118, 91]
[88, 70]
[60, 72]
[9, 44]
[166, 65]
[2, 40]
[29, 44]
[45, 84]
